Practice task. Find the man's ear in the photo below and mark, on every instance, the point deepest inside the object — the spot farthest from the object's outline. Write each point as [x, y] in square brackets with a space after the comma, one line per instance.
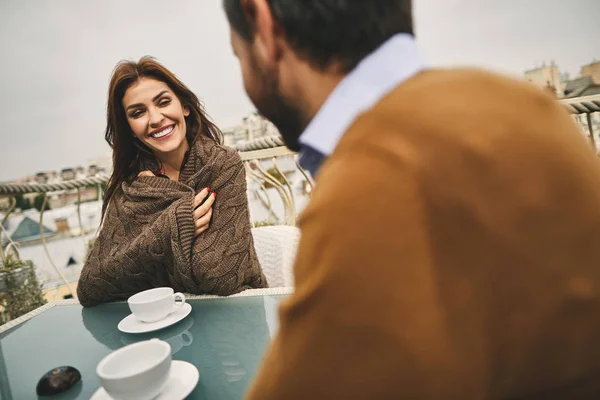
[266, 31]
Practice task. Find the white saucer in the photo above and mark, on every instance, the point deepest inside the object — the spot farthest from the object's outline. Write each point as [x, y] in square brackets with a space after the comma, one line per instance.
[183, 378]
[130, 324]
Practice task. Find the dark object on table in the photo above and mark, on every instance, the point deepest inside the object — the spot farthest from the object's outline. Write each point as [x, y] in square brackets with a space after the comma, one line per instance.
[57, 380]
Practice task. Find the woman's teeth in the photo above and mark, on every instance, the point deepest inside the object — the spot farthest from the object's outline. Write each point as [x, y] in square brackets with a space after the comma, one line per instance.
[162, 133]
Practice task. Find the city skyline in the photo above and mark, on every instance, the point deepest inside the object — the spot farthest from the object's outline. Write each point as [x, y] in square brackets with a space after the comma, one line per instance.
[58, 56]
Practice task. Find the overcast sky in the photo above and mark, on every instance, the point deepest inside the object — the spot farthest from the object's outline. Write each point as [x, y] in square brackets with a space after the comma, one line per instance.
[56, 58]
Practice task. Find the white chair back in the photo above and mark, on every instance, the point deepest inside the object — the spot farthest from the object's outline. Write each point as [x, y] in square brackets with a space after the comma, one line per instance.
[276, 250]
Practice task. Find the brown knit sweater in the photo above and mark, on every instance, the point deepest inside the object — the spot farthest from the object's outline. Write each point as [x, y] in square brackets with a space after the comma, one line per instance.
[147, 239]
[451, 250]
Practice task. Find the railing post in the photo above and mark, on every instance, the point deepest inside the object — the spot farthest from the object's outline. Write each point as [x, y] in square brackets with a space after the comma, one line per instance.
[591, 129]
[42, 233]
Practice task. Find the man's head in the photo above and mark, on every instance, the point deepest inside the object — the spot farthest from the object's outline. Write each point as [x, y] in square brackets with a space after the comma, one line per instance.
[290, 49]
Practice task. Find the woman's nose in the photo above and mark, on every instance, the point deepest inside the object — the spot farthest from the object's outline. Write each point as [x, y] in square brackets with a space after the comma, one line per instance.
[156, 118]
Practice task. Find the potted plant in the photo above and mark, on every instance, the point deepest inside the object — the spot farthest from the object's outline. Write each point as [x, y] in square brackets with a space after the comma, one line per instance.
[20, 290]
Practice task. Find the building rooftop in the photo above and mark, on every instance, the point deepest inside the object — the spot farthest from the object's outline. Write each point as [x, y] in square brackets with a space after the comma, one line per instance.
[584, 86]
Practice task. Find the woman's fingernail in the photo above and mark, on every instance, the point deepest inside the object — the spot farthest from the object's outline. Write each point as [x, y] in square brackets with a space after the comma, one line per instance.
[215, 194]
[208, 188]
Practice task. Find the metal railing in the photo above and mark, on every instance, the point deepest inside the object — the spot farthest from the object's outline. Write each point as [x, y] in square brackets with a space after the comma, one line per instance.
[271, 148]
[587, 107]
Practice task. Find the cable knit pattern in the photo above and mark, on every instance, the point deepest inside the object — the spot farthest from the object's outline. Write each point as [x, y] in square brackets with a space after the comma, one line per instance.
[147, 239]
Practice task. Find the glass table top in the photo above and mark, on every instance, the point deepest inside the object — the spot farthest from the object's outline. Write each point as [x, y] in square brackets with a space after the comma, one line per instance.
[225, 338]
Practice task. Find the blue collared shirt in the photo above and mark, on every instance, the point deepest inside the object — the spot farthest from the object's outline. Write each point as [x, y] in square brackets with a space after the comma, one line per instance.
[376, 75]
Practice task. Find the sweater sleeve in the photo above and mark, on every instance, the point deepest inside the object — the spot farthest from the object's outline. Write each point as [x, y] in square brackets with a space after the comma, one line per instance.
[333, 342]
[134, 250]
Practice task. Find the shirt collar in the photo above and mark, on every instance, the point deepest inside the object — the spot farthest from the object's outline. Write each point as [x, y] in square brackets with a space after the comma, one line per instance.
[392, 63]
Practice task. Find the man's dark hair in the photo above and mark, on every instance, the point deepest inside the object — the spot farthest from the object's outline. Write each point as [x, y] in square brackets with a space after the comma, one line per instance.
[324, 31]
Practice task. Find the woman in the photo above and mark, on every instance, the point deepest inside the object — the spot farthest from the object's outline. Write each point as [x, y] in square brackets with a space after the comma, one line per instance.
[162, 222]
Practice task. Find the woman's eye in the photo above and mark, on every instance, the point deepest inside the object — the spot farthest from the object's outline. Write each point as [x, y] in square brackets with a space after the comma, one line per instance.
[136, 114]
[164, 102]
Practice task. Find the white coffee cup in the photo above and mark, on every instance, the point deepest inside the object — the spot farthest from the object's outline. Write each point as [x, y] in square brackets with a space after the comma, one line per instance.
[155, 304]
[136, 372]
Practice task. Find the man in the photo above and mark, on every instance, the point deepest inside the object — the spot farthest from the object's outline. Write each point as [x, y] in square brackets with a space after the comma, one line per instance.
[450, 249]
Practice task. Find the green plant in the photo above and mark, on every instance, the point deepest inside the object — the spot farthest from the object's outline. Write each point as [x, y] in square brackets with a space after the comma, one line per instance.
[20, 290]
[274, 174]
[38, 202]
[22, 202]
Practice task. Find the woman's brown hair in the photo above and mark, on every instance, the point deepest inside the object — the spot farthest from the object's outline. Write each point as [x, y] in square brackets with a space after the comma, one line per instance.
[128, 151]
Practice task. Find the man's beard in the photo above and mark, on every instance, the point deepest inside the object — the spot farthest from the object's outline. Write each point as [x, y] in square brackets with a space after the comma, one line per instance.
[285, 115]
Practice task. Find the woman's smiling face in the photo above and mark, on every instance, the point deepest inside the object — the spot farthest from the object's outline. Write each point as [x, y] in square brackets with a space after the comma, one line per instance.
[156, 116]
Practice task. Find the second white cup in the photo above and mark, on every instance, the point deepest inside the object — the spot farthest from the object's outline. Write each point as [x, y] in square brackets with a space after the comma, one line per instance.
[155, 304]
[136, 372]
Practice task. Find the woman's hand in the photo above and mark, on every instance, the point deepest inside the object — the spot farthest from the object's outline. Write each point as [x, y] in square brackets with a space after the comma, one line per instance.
[203, 213]
[146, 173]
